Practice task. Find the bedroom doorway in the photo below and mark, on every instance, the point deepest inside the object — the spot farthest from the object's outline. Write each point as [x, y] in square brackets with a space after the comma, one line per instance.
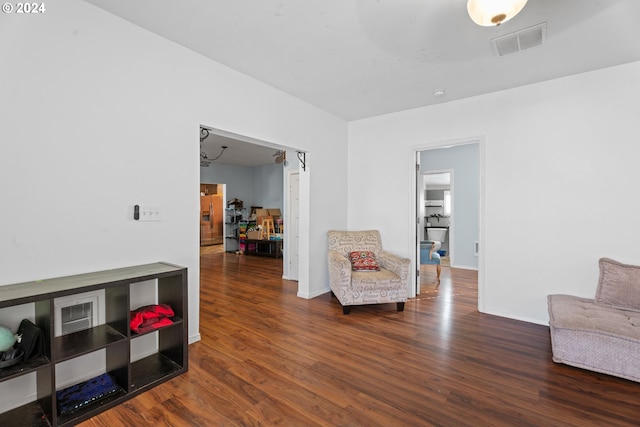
[437, 217]
[458, 224]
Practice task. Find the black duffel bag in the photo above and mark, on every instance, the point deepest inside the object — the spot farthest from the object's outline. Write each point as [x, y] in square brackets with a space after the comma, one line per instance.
[31, 340]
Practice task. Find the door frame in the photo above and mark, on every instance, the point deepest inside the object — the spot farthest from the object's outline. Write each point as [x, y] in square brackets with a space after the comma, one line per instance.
[304, 202]
[289, 231]
[414, 159]
[451, 231]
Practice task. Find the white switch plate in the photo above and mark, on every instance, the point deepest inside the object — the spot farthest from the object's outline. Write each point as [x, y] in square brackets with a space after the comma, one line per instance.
[150, 213]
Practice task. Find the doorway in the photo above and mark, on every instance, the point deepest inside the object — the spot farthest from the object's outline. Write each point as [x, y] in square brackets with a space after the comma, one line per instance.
[461, 229]
[256, 176]
[437, 217]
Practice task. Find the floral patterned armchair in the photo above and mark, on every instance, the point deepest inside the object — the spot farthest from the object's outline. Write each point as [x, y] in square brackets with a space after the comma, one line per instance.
[389, 284]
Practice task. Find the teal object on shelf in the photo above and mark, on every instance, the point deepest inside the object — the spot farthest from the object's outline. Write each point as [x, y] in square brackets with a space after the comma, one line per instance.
[7, 338]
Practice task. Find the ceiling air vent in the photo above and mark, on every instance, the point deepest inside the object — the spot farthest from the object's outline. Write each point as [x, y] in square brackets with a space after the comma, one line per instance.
[520, 40]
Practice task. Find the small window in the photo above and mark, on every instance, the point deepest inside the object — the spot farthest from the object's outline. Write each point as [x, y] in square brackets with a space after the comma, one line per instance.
[447, 202]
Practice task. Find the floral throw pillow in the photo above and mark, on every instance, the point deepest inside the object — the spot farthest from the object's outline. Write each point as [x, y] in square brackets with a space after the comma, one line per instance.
[363, 261]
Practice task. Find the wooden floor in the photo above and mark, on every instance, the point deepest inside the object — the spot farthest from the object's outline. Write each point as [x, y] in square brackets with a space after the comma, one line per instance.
[269, 358]
[211, 249]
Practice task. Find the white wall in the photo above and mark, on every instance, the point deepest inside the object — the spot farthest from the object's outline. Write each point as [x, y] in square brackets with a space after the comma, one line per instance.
[577, 135]
[98, 115]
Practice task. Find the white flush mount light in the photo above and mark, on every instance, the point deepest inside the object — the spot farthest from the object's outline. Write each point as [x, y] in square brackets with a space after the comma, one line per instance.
[439, 93]
[493, 12]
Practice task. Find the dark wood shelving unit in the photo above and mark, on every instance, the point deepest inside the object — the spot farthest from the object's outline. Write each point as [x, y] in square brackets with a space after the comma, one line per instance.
[114, 337]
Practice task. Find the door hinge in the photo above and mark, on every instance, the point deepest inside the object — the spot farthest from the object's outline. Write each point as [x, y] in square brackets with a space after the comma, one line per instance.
[417, 168]
[417, 273]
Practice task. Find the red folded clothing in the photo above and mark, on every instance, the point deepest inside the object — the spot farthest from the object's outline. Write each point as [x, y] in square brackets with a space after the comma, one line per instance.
[151, 317]
[157, 324]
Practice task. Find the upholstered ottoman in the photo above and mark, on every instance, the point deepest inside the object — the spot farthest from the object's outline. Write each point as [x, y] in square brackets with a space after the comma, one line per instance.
[593, 337]
[601, 334]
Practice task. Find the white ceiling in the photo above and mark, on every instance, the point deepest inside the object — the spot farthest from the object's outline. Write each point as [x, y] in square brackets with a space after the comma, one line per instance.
[238, 152]
[362, 58]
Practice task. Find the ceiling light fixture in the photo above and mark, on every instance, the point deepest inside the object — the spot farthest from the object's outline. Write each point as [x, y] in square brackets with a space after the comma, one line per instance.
[205, 161]
[280, 156]
[488, 13]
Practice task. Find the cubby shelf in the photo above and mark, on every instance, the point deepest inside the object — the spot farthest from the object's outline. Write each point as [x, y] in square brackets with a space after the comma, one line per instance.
[87, 341]
[148, 371]
[30, 414]
[113, 337]
[24, 368]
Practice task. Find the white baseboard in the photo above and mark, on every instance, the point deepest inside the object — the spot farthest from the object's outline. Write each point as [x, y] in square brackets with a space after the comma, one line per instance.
[314, 294]
[515, 317]
[195, 338]
[465, 267]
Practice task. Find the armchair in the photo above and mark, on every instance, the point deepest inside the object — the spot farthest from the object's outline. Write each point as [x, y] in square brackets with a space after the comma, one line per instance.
[389, 284]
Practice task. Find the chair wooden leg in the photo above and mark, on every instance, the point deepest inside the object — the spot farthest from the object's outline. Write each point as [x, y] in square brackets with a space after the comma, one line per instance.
[346, 309]
[439, 270]
[400, 306]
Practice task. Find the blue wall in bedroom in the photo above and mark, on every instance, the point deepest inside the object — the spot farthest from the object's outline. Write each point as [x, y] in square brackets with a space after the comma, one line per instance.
[463, 160]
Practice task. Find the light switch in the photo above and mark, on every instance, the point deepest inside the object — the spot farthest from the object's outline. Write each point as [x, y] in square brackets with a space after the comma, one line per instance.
[149, 213]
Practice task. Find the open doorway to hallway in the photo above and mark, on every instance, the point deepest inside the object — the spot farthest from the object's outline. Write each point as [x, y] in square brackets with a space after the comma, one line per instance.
[253, 181]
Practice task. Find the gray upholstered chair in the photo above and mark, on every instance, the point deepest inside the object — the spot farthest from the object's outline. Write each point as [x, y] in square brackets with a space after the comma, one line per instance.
[388, 285]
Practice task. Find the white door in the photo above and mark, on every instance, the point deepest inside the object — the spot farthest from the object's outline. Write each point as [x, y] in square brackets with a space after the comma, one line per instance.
[419, 219]
[293, 224]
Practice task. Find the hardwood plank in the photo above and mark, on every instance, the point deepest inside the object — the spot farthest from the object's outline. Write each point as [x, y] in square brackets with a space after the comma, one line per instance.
[269, 358]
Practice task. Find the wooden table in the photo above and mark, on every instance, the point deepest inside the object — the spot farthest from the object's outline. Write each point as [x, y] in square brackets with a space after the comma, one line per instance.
[270, 248]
